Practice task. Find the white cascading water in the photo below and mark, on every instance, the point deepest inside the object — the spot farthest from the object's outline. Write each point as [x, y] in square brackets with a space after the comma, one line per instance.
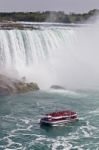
[67, 56]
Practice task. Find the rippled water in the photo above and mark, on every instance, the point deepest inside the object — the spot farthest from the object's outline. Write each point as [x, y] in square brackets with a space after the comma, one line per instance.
[20, 114]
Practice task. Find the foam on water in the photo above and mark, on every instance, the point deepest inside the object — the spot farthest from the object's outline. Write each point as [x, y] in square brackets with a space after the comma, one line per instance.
[58, 142]
[94, 112]
[20, 128]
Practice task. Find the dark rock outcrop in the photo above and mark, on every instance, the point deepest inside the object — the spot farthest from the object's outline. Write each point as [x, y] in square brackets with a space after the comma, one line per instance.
[10, 86]
[57, 87]
[25, 87]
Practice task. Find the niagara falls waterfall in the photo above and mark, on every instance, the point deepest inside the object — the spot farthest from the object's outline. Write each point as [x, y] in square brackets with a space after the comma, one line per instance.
[66, 56]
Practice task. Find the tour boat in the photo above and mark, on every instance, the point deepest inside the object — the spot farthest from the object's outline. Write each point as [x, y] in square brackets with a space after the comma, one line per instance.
[61, 117]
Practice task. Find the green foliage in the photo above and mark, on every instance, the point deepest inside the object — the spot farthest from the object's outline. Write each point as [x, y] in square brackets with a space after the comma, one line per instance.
[47, 16]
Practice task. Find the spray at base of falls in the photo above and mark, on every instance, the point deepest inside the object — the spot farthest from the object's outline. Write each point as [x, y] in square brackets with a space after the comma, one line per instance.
[66, 56]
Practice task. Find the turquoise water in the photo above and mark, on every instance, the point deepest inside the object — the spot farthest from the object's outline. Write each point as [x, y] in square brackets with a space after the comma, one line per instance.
[20, 114]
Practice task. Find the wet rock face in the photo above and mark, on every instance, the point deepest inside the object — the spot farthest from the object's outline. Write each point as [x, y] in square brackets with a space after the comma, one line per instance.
[57, 87]
[10, 86]
[25, 87]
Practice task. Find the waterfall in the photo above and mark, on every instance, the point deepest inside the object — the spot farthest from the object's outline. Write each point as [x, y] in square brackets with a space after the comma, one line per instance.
[66, 56]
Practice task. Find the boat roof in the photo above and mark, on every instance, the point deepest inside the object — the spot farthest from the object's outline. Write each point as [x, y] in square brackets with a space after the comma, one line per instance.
[61, 113]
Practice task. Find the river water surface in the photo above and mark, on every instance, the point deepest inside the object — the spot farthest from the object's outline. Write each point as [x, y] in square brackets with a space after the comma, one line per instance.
[20, 115]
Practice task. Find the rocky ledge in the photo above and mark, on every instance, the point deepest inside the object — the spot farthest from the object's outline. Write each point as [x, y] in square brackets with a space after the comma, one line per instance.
[57, 87]
[10, 86]
[18, 25]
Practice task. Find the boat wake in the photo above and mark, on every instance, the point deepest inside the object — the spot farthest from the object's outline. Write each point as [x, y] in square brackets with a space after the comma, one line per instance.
[22, 135]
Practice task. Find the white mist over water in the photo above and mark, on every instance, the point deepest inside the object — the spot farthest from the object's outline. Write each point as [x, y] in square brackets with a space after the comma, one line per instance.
[67, 56]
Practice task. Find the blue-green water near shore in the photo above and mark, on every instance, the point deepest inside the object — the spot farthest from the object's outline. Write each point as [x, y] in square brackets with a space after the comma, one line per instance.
[20, 114]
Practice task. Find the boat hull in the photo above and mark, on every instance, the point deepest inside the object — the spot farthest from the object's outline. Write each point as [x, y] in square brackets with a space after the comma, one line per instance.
[43, 122]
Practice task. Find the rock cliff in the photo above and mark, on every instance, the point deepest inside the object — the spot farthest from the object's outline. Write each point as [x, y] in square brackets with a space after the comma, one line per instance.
[10, 86]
